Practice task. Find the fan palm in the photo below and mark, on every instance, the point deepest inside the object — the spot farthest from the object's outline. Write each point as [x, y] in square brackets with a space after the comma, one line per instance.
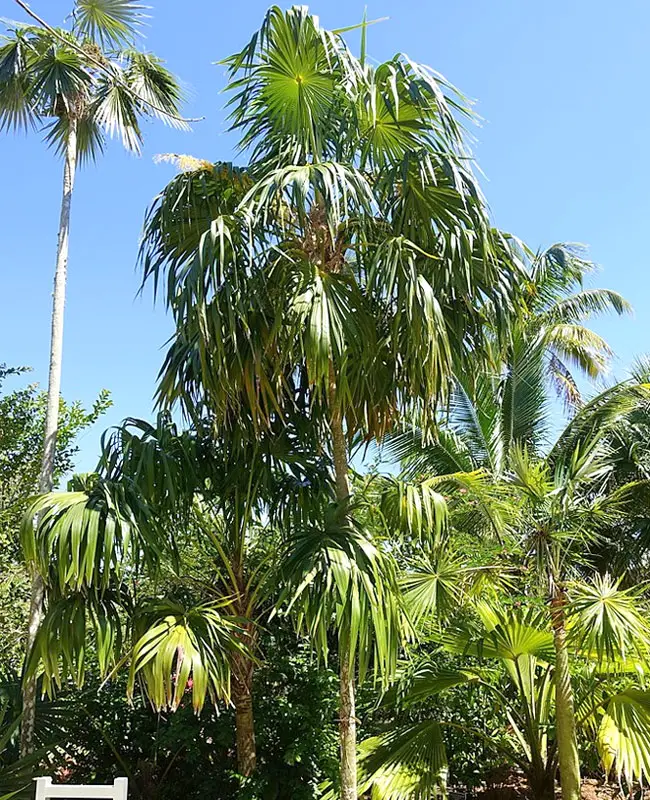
[562, 498]
[609, 641]
[78, 85]
[345, 266]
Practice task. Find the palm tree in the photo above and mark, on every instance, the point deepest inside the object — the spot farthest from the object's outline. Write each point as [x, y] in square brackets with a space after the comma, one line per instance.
[609, 641]
[547, 330]
[344, 268]
[561, 497]
[77, 85]
[339, 579]
[172, 491]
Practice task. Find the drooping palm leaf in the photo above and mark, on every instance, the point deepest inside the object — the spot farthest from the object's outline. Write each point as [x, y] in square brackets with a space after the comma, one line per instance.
[180, 650]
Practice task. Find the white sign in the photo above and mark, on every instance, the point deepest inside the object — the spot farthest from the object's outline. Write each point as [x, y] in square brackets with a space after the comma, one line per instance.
[46, 789]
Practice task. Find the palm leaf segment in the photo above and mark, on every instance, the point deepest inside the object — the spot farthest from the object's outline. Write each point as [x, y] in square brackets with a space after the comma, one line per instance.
[338, 578]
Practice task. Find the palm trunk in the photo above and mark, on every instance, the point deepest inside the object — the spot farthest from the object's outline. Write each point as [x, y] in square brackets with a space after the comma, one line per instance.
[565, 721]
[542, 784]
[242, 696]
[347, 728]
[339, 445]
[46, 477]
[347, 709]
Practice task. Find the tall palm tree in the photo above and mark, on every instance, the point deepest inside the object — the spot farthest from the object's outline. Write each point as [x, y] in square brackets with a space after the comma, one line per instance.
[547, 331]
[343, 268]
[544, 344]
[78, 85]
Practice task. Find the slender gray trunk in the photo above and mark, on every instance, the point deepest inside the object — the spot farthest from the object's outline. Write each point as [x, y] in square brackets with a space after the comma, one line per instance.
[339, 445]
[565, 719]
[46, 476]
[347, 704]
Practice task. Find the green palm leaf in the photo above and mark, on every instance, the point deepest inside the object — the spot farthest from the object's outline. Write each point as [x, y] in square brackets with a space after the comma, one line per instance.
[175, 645]
[88, 537]
[608, 622]
[339, 579]
[511, 636]
[405, 764]
[110, 23]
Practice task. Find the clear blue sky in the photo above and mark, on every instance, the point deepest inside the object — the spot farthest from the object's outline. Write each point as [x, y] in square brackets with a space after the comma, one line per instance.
[562, 87]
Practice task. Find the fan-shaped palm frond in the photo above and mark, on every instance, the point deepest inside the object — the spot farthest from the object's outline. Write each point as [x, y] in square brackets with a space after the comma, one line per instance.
[623, 738]
[510, 636]
[409, 763]
[608, 622]
[110, 23]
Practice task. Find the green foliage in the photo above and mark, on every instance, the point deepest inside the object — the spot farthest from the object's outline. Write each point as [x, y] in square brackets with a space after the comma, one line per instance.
[338, 578]
[171, 756]
[89, 75]
[345, 240]
[22, 422]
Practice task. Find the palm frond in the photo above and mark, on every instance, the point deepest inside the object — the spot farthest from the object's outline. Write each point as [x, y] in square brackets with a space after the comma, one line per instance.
[623, 738]
[110, 23]
[608, 622]
[580, 306]
[179, 650]
[512, 635]
[409, 763]
[338, 579]
[87, 537]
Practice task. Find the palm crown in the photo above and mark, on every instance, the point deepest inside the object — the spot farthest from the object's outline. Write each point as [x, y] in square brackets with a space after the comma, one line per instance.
[90, 73]
[355, 238]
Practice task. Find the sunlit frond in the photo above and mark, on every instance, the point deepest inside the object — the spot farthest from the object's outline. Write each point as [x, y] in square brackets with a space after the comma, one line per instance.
[623, 738]
[409, 763]
[337, 578]
[110, 23]
[179, 650]
[608, 622]
[511, 636]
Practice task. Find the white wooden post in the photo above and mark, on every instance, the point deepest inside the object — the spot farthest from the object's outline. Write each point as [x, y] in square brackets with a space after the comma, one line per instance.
[42, 785]
[121, 788]
[45, 790]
